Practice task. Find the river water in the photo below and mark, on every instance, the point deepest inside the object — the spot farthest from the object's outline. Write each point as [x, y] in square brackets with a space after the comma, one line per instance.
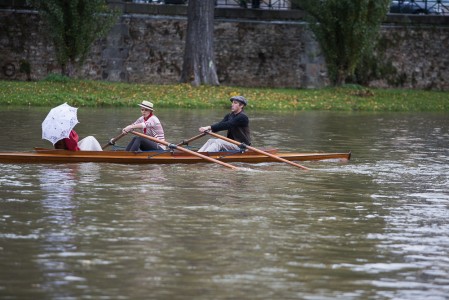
[376, 227]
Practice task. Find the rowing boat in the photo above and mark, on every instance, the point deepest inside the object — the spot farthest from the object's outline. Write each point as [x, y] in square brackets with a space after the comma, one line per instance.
[42, 155]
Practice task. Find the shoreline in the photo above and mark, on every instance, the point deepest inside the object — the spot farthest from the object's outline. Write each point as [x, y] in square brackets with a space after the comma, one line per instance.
[87, 93]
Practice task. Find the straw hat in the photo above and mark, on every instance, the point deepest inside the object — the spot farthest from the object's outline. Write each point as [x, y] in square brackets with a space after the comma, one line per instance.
[147, 105]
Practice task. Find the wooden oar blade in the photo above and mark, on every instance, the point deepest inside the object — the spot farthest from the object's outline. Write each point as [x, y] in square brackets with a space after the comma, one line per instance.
[256, 150]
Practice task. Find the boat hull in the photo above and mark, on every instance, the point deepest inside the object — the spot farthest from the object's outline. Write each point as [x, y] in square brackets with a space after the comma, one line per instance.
[124, 157]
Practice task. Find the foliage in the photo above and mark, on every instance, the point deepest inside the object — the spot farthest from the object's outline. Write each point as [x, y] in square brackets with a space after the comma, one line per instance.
[106, 94]
[347, 31]
[376, 66]
[25, 67]
[73, 25]
[57, 78]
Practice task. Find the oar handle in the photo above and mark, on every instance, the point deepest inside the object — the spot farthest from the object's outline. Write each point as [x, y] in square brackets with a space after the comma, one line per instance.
[113, 140]
[186, 142]
[256, 150]
[173, 146]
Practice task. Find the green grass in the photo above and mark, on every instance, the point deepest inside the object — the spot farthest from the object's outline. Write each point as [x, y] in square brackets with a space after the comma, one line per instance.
[106, 94]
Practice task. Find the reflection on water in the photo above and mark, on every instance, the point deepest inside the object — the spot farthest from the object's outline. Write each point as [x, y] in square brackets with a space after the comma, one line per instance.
[60, 217]
[374, 228]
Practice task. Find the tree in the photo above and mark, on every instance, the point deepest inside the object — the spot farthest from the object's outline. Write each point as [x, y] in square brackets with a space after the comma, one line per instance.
[346, 30]
[199, 59]
[73, 25]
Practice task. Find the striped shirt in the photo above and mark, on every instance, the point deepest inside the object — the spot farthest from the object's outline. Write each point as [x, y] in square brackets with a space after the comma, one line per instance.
[152, 127]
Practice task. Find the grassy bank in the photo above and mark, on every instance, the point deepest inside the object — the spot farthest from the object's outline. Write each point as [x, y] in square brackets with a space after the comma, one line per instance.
[97, 93]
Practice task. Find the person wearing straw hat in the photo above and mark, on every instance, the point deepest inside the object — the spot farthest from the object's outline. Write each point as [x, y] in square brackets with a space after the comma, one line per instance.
[237, 125]
[150, 125]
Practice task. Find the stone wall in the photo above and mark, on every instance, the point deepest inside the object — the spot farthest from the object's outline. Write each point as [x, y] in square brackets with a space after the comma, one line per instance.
[414, 57]
[144, 48]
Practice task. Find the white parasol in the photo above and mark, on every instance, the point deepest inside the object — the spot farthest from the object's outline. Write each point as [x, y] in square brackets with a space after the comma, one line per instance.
[59, 122]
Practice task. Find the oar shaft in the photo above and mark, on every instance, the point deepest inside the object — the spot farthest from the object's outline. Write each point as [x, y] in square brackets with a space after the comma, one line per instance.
[184, 150]
[113, 140]
[257, 150]
[186, 142]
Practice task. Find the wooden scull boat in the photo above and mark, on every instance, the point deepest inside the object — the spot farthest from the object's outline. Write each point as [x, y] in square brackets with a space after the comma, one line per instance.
[42, 155]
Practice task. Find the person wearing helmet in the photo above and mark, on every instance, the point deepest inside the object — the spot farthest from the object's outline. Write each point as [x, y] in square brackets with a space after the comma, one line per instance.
[237, 125]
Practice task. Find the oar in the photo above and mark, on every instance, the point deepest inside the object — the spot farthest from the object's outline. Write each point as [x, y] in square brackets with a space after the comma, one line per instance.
[186, 142]
[113, 140]
[173, 146]
[256, 150]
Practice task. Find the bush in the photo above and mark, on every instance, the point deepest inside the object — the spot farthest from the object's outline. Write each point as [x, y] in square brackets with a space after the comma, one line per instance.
[53, 77]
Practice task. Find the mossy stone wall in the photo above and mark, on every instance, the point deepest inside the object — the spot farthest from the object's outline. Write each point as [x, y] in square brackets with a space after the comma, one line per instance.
[145, 48]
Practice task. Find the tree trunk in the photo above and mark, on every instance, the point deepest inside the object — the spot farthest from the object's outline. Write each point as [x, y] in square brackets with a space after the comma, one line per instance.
[199, 59]
[341, 76]
[68, 69]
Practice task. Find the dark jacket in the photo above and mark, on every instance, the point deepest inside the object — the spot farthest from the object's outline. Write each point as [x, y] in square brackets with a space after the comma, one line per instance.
[237, 126]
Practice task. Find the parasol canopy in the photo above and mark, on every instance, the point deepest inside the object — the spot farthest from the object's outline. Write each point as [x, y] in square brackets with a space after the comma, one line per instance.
[59, 122]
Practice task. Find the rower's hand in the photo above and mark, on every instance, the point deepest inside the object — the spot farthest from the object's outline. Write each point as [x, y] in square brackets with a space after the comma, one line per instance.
[127, 129]
[203, 129]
